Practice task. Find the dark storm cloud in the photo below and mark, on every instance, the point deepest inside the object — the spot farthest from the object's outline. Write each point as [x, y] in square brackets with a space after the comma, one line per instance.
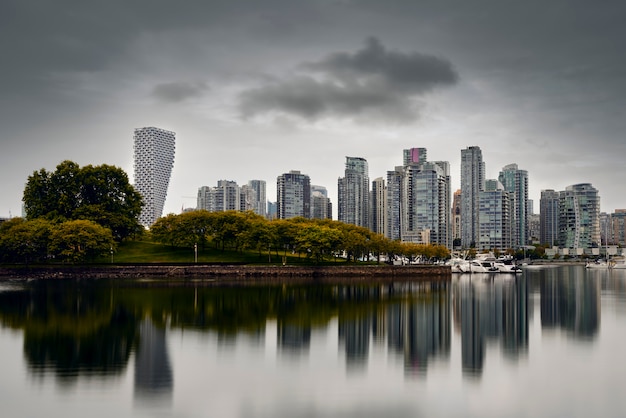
[178, 91]
[373, 81]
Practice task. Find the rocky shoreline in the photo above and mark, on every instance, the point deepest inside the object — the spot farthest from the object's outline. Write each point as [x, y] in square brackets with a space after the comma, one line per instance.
[233, 273]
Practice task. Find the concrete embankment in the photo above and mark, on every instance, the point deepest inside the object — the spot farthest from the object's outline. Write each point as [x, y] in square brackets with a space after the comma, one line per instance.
[236, 274]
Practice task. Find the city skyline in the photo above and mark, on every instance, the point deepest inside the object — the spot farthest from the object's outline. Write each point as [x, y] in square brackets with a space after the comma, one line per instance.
[260, 89]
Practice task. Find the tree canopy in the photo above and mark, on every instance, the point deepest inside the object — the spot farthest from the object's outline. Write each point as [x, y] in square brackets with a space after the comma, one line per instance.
[318, 239]
[101, 194]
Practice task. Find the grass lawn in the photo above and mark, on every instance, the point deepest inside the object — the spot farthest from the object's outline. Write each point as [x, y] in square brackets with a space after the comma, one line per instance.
[151, 252]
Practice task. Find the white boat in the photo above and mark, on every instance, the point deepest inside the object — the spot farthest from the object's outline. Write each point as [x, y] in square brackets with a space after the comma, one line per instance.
[482, 266]
[458, 265]
[507, 265]
[598, 264]
[619, 265]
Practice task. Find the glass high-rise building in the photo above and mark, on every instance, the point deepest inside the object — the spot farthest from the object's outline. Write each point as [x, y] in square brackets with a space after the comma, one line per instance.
[353, 193]
[515, 181]
[321, 207]
[293, 195]
[153, 162]
[579, 217]
[549, 217]
[494, 223]
[472, 183]
[378, 205]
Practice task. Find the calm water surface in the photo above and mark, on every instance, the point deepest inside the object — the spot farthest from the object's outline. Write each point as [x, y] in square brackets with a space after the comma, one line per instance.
[550, 342]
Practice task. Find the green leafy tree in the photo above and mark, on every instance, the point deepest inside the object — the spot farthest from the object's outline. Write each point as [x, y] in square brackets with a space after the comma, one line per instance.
[101, 194]
[80, 240]
[24, 241]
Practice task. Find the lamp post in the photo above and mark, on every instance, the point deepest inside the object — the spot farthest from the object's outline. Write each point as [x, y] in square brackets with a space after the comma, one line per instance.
[195, 252]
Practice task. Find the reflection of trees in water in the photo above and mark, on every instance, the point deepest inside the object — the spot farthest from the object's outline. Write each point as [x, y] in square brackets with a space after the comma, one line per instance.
[74, 328]
[70, 329]
[570, 299]
[490, 308]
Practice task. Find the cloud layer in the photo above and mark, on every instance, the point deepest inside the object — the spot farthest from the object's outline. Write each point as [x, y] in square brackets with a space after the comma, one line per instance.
[372, 82]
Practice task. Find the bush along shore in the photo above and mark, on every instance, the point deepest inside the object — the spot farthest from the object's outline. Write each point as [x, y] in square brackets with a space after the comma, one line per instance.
[235, 273]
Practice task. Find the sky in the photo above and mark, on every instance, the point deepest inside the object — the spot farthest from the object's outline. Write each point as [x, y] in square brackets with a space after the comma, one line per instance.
[254, 89]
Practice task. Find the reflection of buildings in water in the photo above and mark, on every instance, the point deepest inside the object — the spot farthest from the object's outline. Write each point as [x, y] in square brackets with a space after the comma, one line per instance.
[294, 338]
[490, 308]
[472, 344]
[355, 337]
[428, 332]
[419, 328]
[153, 373]
[570, 299]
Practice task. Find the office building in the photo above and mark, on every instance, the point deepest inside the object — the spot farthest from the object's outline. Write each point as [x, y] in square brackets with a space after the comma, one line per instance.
[293, 195]
[353, 193]
[153, 162]
[472, 183]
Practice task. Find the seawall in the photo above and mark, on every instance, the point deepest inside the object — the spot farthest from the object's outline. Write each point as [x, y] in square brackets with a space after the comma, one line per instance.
[236, 273]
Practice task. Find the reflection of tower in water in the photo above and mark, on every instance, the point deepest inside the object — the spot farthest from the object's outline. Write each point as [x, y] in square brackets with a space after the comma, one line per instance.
[153, 373]
[491, 309]
[570, 300]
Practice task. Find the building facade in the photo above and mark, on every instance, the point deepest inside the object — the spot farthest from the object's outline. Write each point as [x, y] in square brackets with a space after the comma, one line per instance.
[293, 195]
[378, 205]
[353, 193]
[549, 218]
[153, 150]
[321, 207]
[456, 218]
[472, 183]
[494, 222]
[579, 217]
[258, 198]
[515, 182]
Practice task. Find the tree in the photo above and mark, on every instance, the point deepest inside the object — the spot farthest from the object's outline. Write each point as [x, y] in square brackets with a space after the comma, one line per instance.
[80, 240]
[24, 241]
[101, 194]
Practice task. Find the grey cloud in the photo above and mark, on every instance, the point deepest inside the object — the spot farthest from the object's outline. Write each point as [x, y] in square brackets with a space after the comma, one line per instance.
[179, 91]
[373, 81]
[413, 71]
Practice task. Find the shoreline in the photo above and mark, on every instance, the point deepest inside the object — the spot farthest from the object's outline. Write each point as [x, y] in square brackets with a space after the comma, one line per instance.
[224, 274]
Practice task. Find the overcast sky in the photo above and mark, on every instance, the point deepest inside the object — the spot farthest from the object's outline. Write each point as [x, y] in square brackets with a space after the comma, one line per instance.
[256, 88]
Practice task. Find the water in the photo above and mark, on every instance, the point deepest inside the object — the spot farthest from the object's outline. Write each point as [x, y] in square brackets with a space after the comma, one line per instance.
[549, 342]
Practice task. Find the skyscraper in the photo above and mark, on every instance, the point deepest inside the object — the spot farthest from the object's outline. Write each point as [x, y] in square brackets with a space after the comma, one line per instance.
[472, 183]
[321, 208]
[153, 163]
[456, 218]
[549, 217]
[259, 199]
[494, 223]
[515, 181]
[579, 216]
[394, 203]
[293, 195]
[426, 203]
[353, 193]
[378, 204]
